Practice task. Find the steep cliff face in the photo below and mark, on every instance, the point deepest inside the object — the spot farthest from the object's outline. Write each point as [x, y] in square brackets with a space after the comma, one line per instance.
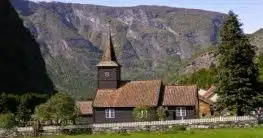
[22, 68]
[148, 39]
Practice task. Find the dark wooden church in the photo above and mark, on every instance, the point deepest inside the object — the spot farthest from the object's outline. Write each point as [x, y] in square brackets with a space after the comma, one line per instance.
[115, 99]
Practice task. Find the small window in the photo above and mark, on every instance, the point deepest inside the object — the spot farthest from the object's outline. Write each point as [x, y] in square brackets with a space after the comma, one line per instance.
[180, 111]
[109, 113]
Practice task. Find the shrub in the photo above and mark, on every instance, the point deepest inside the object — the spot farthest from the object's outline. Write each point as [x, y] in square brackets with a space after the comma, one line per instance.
[7, 121]
[176, 129]
[144, 113]
[123, 132]
[161, 113]
[76, 131]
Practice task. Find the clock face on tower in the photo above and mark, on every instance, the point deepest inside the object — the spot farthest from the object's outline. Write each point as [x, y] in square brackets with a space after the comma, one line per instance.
[106, 74]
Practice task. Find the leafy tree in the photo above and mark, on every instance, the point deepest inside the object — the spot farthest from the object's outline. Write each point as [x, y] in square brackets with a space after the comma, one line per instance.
[144, 113]
[42, 112]
[60, 108]
[237, 73]
[7, 120]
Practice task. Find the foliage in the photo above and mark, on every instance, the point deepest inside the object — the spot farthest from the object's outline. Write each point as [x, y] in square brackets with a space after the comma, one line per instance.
[204, 78]
[23, 112]
[79, 131]
[175, 129]
[43, 112]
[161, 113]
[7, 120]
[259, 62]
[60, 108]
[237, 74]
[144, 113]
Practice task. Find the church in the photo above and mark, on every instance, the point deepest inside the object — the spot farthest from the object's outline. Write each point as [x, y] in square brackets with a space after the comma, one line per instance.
[115, 99]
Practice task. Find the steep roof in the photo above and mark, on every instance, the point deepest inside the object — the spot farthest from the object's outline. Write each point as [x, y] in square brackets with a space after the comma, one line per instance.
[130, 94]
[209, 92]
[180, 95]
[206, 100]
[108, 57]
[85, 107]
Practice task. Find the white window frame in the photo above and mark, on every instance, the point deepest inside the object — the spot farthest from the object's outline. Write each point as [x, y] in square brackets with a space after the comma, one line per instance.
[109, 113]
[180, 111]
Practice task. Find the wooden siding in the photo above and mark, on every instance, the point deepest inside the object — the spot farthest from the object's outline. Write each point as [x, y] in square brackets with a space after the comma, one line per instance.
[107, 84]
[121, 115]
[190, 113]
[112, 81]
[113, 74]
[204, 109]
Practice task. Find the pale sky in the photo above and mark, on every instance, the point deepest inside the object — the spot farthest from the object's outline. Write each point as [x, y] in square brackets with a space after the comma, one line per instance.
[250, 11]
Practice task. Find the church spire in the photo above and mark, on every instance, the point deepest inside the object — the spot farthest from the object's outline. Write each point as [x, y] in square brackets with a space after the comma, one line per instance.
[108, 57]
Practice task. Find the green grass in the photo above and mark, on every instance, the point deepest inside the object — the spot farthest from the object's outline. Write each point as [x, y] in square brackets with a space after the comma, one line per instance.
[216, 133]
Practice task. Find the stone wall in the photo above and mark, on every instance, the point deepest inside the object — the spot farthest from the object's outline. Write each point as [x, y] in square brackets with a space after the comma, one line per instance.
[206, 123]
[153, 128]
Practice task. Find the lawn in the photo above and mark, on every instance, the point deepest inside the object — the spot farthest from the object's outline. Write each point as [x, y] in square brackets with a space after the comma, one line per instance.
[216, 133]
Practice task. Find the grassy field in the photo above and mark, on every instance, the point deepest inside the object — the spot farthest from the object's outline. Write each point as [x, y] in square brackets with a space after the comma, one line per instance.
[217, 133]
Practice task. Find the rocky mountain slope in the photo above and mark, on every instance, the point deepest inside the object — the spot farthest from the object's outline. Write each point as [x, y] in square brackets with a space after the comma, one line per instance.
[206, 58]
[149, 40]
[257, 39]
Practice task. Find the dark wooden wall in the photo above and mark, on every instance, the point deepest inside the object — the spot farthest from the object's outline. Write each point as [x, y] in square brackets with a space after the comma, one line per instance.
[190, 113]
[121, 115]
[108, 82]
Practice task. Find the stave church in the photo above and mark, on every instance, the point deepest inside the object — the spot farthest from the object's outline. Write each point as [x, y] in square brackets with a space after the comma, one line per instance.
[115, 99]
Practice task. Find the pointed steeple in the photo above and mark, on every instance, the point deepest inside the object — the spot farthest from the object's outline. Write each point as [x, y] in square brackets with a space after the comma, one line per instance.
[108, 57]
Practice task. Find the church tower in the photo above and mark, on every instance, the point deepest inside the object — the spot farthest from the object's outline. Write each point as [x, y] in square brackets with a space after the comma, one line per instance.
[109, 69]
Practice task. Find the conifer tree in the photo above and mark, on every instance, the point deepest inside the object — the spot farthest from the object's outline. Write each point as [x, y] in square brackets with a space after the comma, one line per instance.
[237, 73]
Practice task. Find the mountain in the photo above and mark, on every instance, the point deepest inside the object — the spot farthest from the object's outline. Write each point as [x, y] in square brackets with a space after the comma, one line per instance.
[149, 41]
[206, 58]
[22, 68]
[257, 39]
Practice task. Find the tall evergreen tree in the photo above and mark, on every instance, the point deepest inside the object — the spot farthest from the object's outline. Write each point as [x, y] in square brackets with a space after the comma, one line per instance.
[237, 73]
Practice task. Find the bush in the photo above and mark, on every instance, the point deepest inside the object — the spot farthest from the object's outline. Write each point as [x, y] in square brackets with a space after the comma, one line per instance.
[123, 132]
[176, 129]
[7, 121]
[144, 113]
[161, 113]
[76, 131]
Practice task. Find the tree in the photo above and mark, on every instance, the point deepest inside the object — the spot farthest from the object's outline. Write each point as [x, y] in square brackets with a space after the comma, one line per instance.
[237, 73]
[61, 108]
[23, 112]
[42, 113]
[3, 103]
[7, 120]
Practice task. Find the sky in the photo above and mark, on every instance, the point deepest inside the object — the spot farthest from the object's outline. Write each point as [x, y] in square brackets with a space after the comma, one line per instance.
[250, 12]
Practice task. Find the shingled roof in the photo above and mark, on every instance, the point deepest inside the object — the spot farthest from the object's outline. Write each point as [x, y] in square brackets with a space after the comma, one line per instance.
[108, 57]
[180, 95]
[210, 92]
[85, 107]
[130, 94]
